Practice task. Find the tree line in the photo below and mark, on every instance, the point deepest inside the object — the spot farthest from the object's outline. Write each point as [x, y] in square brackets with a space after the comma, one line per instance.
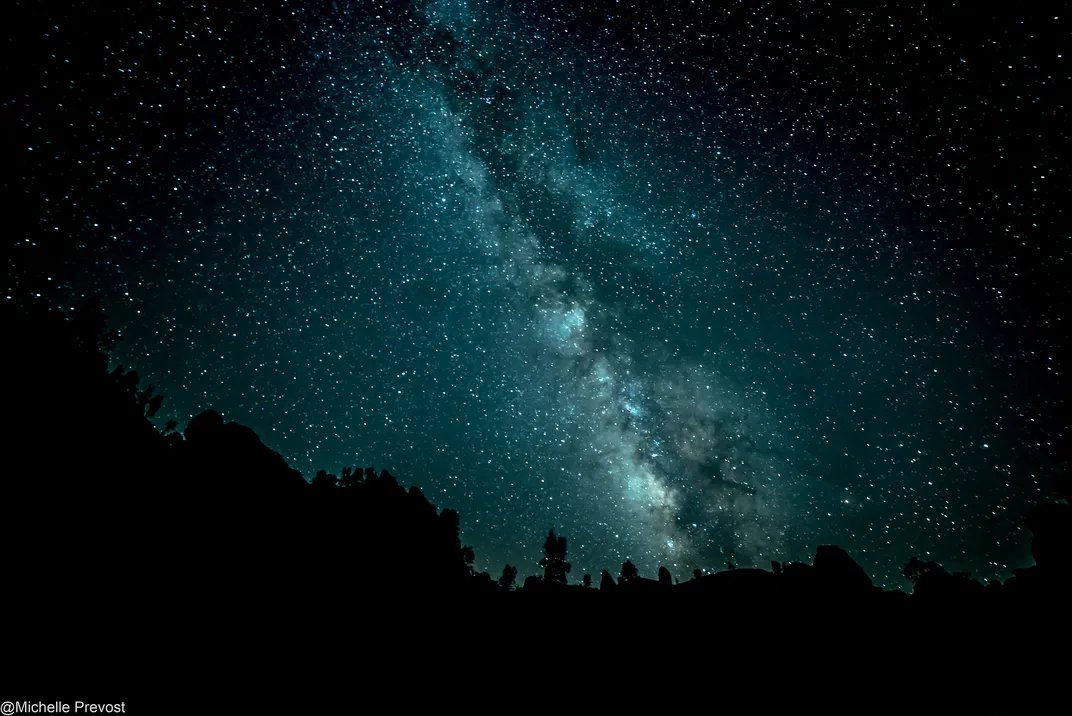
[100, 497]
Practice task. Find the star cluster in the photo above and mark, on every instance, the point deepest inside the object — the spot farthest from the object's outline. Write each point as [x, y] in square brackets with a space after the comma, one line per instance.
[689, 285]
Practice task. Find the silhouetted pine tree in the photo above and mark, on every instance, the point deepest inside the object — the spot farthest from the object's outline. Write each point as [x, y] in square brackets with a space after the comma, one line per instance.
[509, 576]
[555, 566]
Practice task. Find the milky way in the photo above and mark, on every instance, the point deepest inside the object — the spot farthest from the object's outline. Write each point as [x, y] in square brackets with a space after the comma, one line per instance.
[654, 448]
[655, 282]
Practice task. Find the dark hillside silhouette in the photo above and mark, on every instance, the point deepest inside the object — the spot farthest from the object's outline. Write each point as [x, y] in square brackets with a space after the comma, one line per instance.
[212, 524]
[213, 518]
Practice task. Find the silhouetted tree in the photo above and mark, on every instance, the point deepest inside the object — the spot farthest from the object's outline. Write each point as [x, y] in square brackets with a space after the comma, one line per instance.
[127, 381]
[629, 572]
[587, 581]
[323, 480]
[509, 576]
[697, 573]
[1050, 523]
[555, 566]
[148, 403]
[351, 478]
[932, 581]
[915, 569]
[89, 326]
[450, 526]
[664, 577]
[776, 566]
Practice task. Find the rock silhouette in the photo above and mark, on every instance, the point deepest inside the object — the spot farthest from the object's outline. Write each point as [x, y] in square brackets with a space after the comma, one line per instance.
[836, 570]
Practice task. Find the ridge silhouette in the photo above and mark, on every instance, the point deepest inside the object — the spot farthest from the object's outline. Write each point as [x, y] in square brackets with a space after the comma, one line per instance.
[215, 523]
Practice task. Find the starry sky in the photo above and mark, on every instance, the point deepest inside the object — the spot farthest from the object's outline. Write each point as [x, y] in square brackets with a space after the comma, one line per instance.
[688, 282]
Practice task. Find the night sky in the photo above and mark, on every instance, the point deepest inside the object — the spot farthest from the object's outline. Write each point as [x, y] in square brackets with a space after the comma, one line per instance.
[689, 282]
